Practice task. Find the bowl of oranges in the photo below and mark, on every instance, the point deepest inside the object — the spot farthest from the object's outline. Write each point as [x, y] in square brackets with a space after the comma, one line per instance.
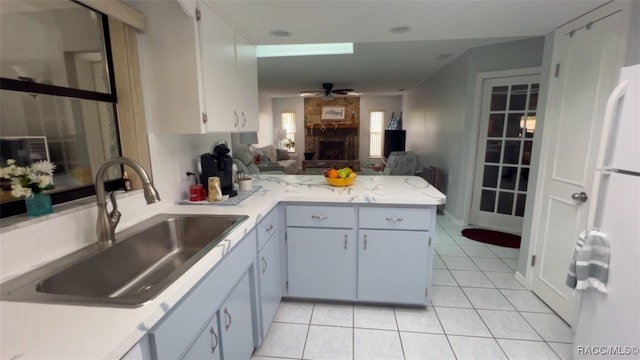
[340, 177]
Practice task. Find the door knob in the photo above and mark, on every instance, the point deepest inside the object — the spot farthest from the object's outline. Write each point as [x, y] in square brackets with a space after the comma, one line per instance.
[581, 196]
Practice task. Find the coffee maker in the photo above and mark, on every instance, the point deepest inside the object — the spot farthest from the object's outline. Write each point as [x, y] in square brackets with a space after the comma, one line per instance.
[218, 163]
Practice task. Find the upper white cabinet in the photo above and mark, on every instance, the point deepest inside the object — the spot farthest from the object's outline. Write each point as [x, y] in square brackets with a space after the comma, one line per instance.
[202, 74]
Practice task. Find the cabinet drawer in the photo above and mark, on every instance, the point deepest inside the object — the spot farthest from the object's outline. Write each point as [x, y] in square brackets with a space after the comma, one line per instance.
[267, 227]
[321, 216]
[395, 218]
[180, 327]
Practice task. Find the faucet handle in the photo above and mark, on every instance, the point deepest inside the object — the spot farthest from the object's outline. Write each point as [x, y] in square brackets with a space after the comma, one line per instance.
[114, 215]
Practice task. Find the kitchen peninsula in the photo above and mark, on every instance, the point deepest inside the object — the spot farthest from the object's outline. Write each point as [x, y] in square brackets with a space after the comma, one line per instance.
[340, 244]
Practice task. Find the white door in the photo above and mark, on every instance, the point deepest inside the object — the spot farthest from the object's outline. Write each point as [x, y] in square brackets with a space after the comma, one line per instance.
[589, 52]
[507, 127]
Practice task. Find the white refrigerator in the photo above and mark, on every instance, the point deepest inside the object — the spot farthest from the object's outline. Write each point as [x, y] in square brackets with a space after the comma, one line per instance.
[609, 323]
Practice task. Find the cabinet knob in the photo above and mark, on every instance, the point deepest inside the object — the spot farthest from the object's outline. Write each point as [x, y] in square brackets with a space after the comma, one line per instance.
[264, 265]
[320, 217]
[345, 241]
[365, 241]
[269, 228]
[244, 119]
[394, 219]
[236, 119]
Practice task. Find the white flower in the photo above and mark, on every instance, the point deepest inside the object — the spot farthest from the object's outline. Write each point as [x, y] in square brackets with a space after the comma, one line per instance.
[19, 191]
[43, 181]
[11, 162]
[43, 167]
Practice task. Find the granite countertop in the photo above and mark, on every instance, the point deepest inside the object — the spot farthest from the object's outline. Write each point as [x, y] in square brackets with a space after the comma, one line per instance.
[32, 331]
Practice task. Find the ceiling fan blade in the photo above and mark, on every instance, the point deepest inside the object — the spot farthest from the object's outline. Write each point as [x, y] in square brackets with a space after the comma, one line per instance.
[343, 90]
[339, 92]
[311, 92]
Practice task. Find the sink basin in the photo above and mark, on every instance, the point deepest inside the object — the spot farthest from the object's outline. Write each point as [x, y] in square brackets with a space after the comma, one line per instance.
[146, 259]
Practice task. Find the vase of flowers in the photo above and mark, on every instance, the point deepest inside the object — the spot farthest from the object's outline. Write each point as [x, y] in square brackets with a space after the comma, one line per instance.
[30, 182]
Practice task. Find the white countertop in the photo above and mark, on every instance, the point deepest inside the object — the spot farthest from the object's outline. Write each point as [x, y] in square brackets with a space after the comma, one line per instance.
[48, 331]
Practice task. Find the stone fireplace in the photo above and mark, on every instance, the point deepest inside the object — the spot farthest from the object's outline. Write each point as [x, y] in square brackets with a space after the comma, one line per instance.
[332, 139]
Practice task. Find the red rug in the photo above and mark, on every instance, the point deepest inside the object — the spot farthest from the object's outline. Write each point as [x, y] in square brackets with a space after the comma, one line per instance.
[493, 237]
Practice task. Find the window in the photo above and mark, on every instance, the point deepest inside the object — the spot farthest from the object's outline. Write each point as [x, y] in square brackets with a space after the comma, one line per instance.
[57, 96]
[289, 125]
[376, 119]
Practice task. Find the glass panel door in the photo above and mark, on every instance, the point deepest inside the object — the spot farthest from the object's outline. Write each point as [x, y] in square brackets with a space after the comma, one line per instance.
[507, 125]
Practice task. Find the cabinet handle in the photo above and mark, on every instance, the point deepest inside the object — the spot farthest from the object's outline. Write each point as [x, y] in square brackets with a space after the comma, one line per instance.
[394, 219]
[235, 116]
[264, 265]
[365, 241]
[214, 340]
[269, 228]
[226, 325]
[244, 119]
[321, 217]
[345, 241]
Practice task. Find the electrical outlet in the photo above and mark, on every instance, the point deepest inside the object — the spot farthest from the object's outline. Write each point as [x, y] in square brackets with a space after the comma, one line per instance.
[184, 167]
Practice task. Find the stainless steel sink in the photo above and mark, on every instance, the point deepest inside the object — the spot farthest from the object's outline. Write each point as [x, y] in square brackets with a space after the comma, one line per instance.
[146, 259]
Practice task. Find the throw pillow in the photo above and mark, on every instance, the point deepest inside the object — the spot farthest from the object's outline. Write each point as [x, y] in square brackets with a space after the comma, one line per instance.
[282, 154]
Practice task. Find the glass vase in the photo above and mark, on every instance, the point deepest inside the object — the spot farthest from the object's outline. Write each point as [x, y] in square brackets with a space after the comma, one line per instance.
[38, 204]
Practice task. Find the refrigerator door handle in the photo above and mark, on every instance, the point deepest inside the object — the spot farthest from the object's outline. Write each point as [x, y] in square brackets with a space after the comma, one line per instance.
[609, 115]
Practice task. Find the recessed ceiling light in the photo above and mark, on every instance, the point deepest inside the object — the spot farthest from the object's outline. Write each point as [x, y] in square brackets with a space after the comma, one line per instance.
[399, 29]
[280, 33]
[443, 56]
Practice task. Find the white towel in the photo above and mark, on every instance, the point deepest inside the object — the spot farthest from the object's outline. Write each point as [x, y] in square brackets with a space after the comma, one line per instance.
[589, 266]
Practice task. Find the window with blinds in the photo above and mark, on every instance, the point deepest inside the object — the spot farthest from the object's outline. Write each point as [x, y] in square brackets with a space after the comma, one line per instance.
[376, 119]
[289, 124]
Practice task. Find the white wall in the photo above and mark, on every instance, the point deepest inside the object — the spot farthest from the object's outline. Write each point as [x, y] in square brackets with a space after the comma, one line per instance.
[633, 41]
[296, 105]
[388, 104]
[439, 113]
[265, 119]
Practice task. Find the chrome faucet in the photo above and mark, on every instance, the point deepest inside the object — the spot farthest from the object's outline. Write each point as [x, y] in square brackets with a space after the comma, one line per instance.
[107, 221]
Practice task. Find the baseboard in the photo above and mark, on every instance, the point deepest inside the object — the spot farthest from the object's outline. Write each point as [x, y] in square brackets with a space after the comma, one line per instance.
[453, 219]
[521, 279]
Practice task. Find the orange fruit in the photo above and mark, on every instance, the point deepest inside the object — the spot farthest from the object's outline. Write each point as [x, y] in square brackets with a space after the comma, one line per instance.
[333, 173]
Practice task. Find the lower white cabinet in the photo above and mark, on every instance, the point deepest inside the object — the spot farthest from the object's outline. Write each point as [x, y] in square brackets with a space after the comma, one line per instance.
[321, 263]
[207, 345]
[223, 299]
[236, 322]
[268, 266]
[393, 266]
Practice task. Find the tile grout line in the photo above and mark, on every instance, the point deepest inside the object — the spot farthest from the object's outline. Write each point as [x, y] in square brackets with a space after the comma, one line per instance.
[306, 339]
[444, 332]
[395, 316]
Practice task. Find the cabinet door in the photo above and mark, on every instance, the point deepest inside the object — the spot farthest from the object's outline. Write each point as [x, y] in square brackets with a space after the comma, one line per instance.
[393, 266]
[269, 269]
[217, 58]
[322, 263]
[236, 322]
[247, 80]
[207, 345]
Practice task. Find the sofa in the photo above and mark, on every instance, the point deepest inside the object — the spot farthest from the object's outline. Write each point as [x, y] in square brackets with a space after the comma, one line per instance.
[266, 159]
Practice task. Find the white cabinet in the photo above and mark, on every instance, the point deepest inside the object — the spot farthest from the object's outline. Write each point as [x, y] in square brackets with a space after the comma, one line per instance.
[322, 263]
[393, 266]
[390, 262]
[268, 266]
[225, 292]
[202, 75]
[207, 345]
[236, 322]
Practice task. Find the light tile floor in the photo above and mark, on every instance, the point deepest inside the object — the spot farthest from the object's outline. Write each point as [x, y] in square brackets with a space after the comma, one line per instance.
[478, 311]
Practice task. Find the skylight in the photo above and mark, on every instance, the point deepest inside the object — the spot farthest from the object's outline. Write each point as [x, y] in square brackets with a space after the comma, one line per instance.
[304, 49]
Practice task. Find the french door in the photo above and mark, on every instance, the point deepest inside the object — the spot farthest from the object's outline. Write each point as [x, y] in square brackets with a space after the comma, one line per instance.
[507, 128]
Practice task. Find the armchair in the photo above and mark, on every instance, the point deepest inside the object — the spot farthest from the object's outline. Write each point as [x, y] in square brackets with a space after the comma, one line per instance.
[401, 163]
[244, 160]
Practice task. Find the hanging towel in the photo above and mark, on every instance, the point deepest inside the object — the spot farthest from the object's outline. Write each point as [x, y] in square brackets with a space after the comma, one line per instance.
[590, 263]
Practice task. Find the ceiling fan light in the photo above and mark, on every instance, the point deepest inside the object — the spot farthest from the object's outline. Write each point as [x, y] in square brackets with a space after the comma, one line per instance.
[327, 97]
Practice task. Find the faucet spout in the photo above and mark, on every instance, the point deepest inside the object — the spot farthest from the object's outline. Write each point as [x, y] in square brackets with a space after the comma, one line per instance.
[107, 222]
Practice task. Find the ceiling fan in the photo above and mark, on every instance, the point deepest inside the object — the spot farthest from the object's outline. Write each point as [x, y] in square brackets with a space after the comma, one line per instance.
[327, 91]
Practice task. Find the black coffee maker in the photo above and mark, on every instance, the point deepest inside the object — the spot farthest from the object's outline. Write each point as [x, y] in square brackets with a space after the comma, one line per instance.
[218, 163]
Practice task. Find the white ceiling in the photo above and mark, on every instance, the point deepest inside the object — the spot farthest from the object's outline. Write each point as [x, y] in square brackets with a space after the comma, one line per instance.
[383, 62]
